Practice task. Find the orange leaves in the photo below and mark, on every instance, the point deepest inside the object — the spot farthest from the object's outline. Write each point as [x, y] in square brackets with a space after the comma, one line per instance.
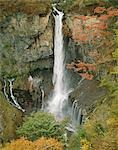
[99, 10]
[104, 17]
[87, 76]
[82, 37]
[82, 17]
[20, 144]
[47, 144]
[90, 28]
[110, 12]
[113, 12]
[85, 70]
[40, 144]
[101, 25]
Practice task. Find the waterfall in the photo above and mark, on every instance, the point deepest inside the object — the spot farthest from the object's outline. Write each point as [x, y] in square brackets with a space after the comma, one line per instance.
[11, 99]
[15, 103]
[76, 113]
[59, 96]
[59, 99]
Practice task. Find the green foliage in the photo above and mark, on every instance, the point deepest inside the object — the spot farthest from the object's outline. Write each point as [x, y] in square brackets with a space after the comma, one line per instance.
[115, 54]
[41, 124]
[74, 142]
[100, 129]
[10, 118]
[102, 126]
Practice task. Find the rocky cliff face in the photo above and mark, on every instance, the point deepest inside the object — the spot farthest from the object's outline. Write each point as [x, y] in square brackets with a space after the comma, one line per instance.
[26, 43]
[26, 50]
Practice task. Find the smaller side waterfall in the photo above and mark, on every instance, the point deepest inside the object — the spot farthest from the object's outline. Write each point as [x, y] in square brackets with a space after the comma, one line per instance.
[76, 113]
[14, 101]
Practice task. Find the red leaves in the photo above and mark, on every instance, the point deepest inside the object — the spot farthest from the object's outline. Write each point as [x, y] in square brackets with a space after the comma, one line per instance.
[82, 37]
[99, 10]
[87, 76]
[93, 31]
[113, 12]
[104, 17]
[90, 28]
[100, 25]
[85, 70]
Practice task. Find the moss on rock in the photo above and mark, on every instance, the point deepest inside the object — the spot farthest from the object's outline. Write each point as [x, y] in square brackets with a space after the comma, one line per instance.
[10, 118]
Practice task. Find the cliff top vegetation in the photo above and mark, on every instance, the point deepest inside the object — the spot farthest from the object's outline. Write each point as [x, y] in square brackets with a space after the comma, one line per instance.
[29, 7]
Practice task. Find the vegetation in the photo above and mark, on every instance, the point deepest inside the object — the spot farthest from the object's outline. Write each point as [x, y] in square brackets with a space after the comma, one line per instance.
[34, 7]
[40, 144]
[78, 5]
[44, 143]
[41, 124]
[100, 130]
[10, 118]
[95, 35]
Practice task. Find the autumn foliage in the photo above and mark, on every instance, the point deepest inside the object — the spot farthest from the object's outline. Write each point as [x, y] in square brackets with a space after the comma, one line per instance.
[19, 144]
[40, 144]
[47, 144]
[93, 34]
[90, 28]
[85, 70]
[29, 7]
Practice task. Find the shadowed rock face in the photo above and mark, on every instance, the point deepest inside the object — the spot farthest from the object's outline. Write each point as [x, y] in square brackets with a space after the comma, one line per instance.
[87, 94]
[24, 42]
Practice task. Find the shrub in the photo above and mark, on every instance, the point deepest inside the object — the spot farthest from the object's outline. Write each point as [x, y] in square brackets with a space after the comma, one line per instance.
[29, 7]
[75, 140]
[19, 144]
[85, 145]
[40, 144]
[50, 144]
[41, 124]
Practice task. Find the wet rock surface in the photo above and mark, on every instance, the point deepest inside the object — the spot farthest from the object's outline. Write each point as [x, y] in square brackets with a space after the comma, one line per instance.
[87, 94]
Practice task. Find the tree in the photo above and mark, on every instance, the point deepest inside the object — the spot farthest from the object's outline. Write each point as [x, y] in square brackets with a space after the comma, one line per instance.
[85, 70]
[40, 144]
[41, 124]
[19, 144]
[48, 144]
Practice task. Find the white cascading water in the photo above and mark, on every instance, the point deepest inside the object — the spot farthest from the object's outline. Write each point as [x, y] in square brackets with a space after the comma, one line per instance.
[15, 103]
[59, 95]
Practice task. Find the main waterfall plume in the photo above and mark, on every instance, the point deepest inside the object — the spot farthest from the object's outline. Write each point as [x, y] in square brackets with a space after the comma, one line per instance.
[59, 95]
